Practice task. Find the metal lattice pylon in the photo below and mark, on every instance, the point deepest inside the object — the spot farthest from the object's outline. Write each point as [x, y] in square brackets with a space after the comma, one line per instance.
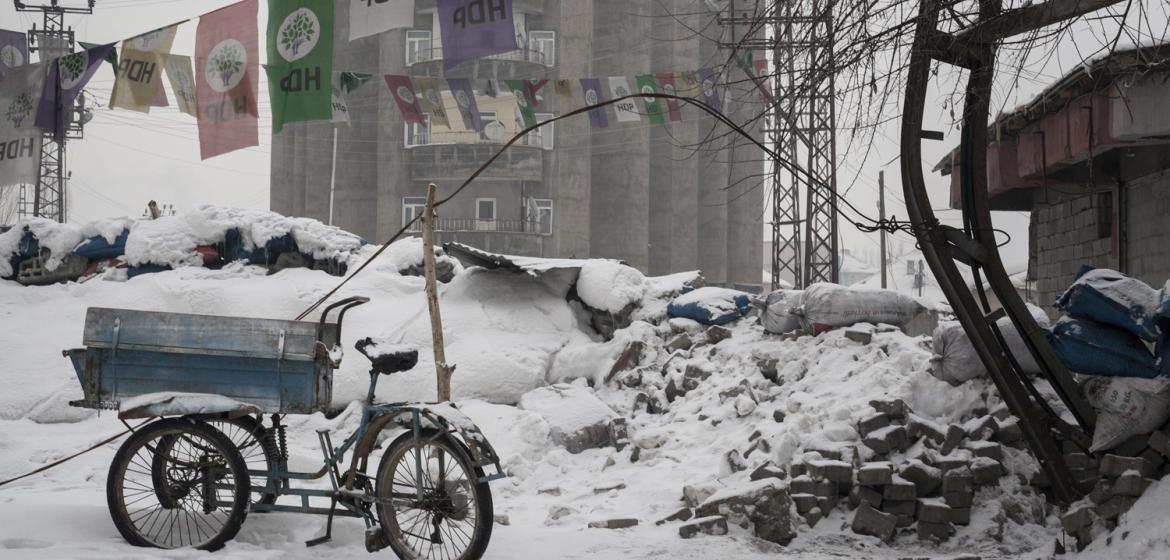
[815, 94]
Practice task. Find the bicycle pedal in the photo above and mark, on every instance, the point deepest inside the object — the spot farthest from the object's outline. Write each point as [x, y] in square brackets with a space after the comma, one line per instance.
[376, 539]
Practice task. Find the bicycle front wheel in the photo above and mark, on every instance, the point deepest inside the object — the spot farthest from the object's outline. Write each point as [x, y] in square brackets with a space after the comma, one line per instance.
[431, 503]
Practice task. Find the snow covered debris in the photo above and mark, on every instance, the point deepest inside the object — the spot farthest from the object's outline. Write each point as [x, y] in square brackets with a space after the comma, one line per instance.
[609, 285]
[577, 419]
[58, 238]
[178, 404]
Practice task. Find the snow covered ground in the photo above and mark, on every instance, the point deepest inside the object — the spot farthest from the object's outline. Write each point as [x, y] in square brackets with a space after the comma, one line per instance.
[511, 333]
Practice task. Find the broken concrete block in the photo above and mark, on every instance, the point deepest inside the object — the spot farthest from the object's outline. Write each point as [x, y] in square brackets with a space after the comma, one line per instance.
[980, 428]
[813, 517]
[769, 368]
[955, 435]
[716, 334]
[804, 502]
[933, 511]
[958, 480]
[682, 514]
[896, 409]
[1008, 431]
[1076, 518]
[1113, 466]
[713, 525]
[827, 503]
[862, 337]
[917, 427]
[869, 521]
[1101, 492]
[1131, 484]
[586, 428]
[926, 478]
[833, 471]
[936, 532]
[862, 494]
[875, 474]
[620, 523]
[899, 489]
[681, 341]
[765, 503]
[985, 471]
[695, 494]
[987, 449]
[768, 470]
[872, 422]
[886, 439]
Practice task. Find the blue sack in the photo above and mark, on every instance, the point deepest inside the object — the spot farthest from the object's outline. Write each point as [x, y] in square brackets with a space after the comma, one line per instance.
[710, 306]
[29, 246]
[1097, 349]
[272, 249]
[1110, 297]
[96, 248]
[148, 268]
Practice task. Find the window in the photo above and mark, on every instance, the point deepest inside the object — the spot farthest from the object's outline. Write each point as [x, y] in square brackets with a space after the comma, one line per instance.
[485, 214]
[418, 134]
[413, 206]
[418, 46]
[545, 44]
[542, 137]
[544, 215]
[1104, 215]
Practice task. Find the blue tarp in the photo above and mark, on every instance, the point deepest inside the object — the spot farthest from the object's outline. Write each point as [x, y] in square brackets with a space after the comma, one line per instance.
[1110, 297]
[710, 306]
[1098, 349]
[145, 269]
[98, 248]
[272, 249]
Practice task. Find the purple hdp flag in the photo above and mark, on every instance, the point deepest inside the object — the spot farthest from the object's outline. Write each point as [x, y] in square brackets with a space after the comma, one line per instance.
[13, 50]
[67, 76]
[591, 88]
[474, 29]
[710, 94]
[465, 99]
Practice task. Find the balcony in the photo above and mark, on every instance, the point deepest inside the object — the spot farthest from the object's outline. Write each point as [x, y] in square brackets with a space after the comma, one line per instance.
[456, 162]
[472, 225]
[419, 56]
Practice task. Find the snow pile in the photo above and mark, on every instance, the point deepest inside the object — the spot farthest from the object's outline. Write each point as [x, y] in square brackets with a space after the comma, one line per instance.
[609, 285]
[58, 238]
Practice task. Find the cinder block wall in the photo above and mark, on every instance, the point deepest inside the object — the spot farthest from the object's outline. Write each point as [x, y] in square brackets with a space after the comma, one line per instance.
[1066, 238]
[1148, 232]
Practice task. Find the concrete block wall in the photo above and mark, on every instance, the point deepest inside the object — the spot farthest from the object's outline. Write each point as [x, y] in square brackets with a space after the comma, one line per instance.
[1148, 232]
[1066, 238]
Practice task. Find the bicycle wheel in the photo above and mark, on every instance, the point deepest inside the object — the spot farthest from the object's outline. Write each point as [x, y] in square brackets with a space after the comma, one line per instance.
[258, 449]
[178, 483]
[453, 518]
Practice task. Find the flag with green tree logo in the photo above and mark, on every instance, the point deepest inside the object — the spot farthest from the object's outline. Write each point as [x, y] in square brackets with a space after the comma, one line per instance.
[300, 61]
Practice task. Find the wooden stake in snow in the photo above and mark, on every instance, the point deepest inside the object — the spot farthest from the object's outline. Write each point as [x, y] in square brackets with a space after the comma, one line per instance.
[442, 370]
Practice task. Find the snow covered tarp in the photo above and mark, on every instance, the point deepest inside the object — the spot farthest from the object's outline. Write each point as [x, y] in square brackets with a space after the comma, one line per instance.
[1110, 297]
[955, 360]
[1099, 349]
[826, 306]
[710, 305]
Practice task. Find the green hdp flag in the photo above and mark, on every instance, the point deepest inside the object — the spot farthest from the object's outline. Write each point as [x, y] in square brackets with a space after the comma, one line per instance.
[523, 101]
[300, 61]
[353, 80]
[647, 83]
[111, 57]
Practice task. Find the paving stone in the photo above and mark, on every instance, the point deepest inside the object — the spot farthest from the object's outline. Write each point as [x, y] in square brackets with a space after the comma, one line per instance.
[887, 439]
[833, 471]
[1076, 518]
[716, 334]
[768, 470]
[1008, 431]
[804, 502]
[797, 470]
[904, 521]
[1114, 507]
[955, 435]
[766, 503]
[896, 409]
[827, 503]
[869, 521]
[933, 511]
[961, 516]
[1113, 466]
[1160, 442]
[959, 499]
[869, 496]
[713, 525]
[899, 489]
[862, 337]
[1102, 491]
[926, 478]
[1153, 457]
[980, 428]
[1131, 484]
[986, 449]
[900, 507]
[948, 463]
[985, 471]
[937, 532]
[813, 517]
[958, 480]
[680, 342]
[875, 421]
[1132, 446]
[682, 514]
[875, 474]
[918, 427]
[620, 523]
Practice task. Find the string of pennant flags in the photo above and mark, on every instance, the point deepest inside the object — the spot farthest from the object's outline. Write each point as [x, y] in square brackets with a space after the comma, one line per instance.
[219, 85]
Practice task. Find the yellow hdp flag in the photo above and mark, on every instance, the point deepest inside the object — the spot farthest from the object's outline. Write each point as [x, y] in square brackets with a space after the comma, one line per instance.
[430, 94]
[140, 69]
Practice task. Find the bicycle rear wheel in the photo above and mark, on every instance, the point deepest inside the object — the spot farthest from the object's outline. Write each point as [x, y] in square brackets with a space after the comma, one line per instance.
[453, 518]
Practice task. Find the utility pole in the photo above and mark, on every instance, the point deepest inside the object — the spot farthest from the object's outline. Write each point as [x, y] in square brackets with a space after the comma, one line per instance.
[882, 216]
[53, 40]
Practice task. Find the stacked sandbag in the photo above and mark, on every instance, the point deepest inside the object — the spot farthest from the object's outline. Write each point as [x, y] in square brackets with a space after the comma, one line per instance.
[1126, 407]
[955, 360]
[710, 305]
[1093, 348]
[825, 306]
[779, 314]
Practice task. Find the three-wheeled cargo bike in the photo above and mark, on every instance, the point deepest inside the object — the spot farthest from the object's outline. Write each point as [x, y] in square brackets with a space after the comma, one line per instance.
[189, 478]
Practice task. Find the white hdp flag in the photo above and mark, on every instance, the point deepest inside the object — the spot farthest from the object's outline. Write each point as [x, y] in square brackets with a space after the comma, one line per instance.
[182, 80]
[340, 107]
[371, 17]
[627, 109]
[20, 139]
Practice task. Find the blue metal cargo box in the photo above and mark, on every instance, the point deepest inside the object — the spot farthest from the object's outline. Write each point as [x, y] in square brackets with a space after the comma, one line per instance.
[278, 366]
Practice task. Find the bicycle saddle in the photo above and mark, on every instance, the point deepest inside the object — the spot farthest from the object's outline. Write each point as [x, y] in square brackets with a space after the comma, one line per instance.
[387, 358]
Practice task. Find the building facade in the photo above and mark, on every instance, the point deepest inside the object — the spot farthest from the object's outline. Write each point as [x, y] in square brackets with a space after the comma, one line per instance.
[1090, 160]
[663, 198]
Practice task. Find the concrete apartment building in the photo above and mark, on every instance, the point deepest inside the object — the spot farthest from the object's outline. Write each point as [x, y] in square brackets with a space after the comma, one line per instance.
[1090, 159]
[639, 192]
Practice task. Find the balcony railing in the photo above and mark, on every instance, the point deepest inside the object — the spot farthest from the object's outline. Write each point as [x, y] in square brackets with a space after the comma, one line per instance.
[522, 55]
[472, 225]
[426, 138]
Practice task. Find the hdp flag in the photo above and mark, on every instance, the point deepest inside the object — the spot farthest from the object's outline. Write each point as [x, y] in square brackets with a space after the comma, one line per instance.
[371, 17]
[20, 139]
[300, 60]
[138, 78]
[227, 76]
[666, 82]
[346, 83]
[564, 89]
[520, 88]
[13, 50]
[627, 110]
[591, 88]
[430, 96]
[404, 97]
[710, 94]
[689, 84]
[182, 80]
[66, 76]
[647, 84]
[474, 29]
[465, 100]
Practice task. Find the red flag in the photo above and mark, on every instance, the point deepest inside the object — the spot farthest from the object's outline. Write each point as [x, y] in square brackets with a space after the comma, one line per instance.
[666, 82]
[403, 90]
[227, 69]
